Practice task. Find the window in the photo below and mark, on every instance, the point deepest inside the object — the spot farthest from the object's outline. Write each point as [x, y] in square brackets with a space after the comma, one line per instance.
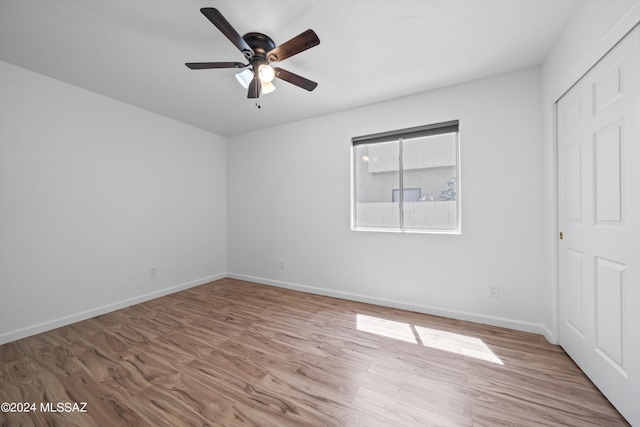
[407, 180]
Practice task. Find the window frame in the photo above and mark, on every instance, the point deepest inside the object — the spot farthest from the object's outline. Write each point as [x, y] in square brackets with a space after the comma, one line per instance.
[401, 135]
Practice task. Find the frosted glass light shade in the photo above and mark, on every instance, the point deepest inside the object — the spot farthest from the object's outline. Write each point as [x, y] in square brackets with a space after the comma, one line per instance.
[268, 87]
[245, 77]
[266, 73]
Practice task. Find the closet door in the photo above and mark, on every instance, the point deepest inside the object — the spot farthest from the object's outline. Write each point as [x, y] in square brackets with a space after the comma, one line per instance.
[599, 219]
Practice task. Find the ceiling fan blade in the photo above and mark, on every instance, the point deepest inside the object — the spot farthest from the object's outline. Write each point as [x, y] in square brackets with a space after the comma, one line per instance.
[295, 79]
[298, 44]
[208, 65]
[255, 87]
[225, 28]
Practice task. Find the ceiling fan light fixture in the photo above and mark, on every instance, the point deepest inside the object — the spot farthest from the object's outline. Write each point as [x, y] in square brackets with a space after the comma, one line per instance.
[266, 73]
[245, 77]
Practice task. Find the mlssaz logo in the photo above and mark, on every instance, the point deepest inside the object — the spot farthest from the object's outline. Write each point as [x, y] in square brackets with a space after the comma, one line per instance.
[63, 407]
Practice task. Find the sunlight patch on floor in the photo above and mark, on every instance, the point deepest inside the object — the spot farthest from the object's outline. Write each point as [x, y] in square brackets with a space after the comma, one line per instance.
[427, 337]
[386, 328]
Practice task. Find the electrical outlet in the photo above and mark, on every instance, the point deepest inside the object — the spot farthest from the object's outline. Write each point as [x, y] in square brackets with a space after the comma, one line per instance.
[267, 262]
[494, 291]
[283, 264]
[152, 272]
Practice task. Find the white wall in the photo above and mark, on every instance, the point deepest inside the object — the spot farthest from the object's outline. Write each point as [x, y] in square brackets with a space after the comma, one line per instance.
[289, 198]
[595, 29]
[92, 193]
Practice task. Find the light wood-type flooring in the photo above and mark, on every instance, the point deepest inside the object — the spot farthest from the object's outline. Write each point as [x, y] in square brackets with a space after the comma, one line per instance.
[234, 353]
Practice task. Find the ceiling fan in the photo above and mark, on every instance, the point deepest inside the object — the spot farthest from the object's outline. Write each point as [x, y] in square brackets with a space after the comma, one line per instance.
[260, 51]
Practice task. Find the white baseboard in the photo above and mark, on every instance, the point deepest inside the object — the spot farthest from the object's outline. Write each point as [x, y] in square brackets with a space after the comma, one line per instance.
[87, 314]
[484, 319]
[550, 336]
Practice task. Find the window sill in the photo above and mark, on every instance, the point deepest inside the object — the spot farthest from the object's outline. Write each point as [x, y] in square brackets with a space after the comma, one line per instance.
[406, 230]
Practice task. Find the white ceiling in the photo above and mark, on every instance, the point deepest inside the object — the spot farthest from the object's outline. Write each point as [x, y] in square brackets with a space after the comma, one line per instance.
[370, 50]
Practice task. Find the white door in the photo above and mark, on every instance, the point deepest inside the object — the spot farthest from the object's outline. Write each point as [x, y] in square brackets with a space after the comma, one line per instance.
[599, 217]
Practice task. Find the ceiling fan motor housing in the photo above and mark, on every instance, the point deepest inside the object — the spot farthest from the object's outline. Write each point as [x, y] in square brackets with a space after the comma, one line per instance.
[260, 43]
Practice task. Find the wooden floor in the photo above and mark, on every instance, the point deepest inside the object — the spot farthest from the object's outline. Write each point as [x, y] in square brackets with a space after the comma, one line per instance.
[232, 353]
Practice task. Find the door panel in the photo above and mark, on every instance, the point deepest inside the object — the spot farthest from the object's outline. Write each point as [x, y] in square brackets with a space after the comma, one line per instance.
[609, 291]
[574, 285]
[608, 174]
[599, 216]
[573, 165]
